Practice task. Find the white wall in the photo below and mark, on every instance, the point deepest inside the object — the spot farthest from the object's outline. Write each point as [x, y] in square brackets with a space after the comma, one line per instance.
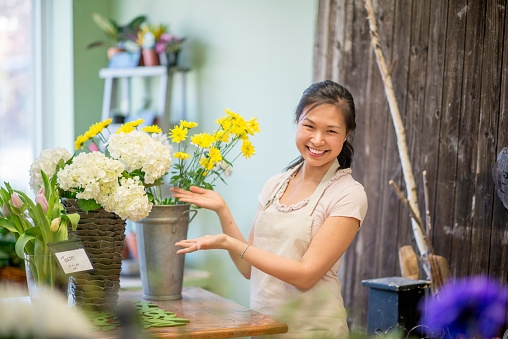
[255, 58]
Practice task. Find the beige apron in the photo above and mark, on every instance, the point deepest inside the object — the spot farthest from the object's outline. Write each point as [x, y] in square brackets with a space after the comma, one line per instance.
[316, 312]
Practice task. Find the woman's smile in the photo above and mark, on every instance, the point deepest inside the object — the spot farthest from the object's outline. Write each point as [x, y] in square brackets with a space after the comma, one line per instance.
[315, 152]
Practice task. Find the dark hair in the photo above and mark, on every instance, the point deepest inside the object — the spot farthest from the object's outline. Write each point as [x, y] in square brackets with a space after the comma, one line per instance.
[330, 93]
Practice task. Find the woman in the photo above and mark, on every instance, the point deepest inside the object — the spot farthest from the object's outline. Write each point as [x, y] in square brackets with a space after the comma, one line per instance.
[307, 217]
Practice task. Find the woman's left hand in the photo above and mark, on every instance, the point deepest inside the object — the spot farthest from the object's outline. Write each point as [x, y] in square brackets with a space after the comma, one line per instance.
[207, 242]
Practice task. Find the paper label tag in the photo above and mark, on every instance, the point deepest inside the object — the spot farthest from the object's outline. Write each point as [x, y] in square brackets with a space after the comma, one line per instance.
[71, 255]
[74, 261]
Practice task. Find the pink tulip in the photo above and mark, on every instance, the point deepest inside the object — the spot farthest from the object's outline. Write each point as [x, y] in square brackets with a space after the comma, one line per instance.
[41, 200]
[5, 211]
[16, 201]
[93, 147]
[42, 191]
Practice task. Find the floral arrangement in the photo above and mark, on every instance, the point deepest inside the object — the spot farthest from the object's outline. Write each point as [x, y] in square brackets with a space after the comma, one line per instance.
[208, 162]
[128, 180]
[469, 307]
[158, 37]
[35, 224]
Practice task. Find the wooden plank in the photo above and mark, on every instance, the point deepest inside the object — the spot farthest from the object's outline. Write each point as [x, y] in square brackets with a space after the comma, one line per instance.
[499, 240]
[415, 104]
[486, 147]
[210, 315]
[448, 138]
[336, 41]
[321, 40]
[466, 160]
[389, 161]
[392, 225]
[433, 97]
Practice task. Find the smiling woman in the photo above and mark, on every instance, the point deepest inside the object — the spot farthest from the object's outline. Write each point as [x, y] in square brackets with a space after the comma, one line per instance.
[307, 218]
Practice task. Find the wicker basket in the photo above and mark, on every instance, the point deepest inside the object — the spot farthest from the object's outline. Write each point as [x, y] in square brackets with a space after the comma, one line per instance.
[102, 234]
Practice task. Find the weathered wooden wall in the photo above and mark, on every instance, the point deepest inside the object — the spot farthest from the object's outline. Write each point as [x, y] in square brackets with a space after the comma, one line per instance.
[451, 82]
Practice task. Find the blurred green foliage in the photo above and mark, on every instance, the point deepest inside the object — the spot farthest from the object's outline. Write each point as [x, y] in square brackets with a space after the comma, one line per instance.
[8, 255]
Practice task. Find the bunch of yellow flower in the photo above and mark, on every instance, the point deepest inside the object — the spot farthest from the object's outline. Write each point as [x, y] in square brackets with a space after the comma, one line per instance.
[211, 150]
[94, 130]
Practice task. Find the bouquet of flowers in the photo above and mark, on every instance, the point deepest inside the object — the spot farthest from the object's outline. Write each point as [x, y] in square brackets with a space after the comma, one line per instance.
[128, 177]
[209, 160]
[35, 224]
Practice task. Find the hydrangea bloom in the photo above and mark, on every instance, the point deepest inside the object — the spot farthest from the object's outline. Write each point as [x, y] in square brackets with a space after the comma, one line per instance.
[137, 150]
[467, 307]
[129, 201]
[94, 173]
[98, 177]
[46, 162]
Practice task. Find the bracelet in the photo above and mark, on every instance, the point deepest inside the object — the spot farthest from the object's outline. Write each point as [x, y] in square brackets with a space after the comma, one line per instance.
[241, 255]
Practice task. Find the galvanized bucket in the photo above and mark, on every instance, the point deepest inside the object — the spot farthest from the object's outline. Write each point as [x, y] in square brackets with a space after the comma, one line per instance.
[161, 269]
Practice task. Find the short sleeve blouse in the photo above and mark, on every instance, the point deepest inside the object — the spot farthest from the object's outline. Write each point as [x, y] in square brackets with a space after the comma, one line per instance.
[343, 197]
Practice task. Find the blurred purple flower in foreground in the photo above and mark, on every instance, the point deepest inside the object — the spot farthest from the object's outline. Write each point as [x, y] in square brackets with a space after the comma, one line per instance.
[468, 307]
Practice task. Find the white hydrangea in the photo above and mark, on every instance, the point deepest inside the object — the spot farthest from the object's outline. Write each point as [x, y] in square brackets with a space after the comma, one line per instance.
[93, 172]
[129, 200]
[163, 139]
[46, 162]
[137, 150]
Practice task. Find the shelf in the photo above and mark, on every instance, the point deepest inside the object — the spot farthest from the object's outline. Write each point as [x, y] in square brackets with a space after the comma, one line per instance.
[141, 71]
[124, 75]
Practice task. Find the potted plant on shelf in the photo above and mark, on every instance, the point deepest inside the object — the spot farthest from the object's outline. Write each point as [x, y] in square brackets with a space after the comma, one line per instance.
[116, 33]
[35, 224]
[147, 38]
[169, 46]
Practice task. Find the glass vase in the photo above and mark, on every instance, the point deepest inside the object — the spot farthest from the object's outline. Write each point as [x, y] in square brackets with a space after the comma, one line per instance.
[44, 273]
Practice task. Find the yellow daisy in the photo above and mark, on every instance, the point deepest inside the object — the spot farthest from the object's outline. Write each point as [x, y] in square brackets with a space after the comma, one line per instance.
[247, 149]
[80, 140]
[207, 163]
[239, 126]
[152, 129]
[106, 123]
[135, 123]
[125, 129]
[181, 155]
[188, 124]
[215, 155]
[178, 133]
[202, 140]
[253, 126]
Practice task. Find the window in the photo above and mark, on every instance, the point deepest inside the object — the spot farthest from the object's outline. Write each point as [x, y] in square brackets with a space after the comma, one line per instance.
[17, 73]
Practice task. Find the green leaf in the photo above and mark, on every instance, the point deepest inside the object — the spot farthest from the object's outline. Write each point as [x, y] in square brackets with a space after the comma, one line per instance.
[88, 205]
[8, 225]
[21, 243]
[72, 218]
[45, 180]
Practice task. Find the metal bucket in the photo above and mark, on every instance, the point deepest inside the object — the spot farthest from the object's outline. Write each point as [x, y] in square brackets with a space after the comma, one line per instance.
[161, 269]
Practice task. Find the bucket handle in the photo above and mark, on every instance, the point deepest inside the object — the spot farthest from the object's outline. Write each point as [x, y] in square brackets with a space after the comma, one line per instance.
[180, 217]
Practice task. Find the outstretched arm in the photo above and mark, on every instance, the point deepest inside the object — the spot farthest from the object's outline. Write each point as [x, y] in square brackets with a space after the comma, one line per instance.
[327, 246]
[213, 201]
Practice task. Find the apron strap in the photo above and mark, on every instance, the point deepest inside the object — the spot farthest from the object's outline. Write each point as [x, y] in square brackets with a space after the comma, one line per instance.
[317, 193]
[285, 177]
[309, 208]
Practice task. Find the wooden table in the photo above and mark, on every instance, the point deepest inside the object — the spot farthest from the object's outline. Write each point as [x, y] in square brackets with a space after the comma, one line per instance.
[210, 315]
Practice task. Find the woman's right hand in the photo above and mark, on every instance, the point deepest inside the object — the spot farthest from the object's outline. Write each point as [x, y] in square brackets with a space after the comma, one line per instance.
[200, 197]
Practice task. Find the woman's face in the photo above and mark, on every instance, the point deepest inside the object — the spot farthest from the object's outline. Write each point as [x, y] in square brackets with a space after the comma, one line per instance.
[320, 134]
